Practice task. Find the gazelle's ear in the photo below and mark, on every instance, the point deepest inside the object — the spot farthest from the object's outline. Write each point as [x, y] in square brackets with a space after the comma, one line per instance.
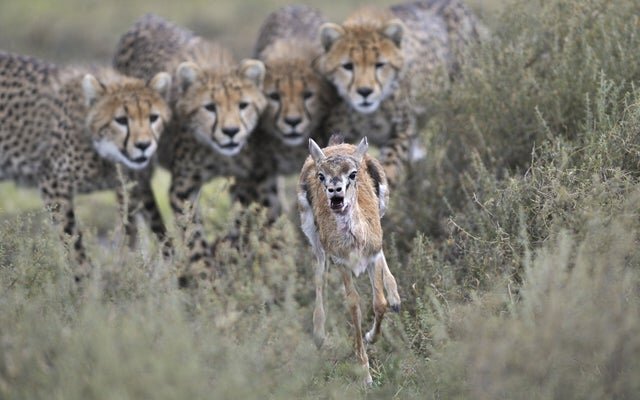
[316, 151]
[361, 150]
[92, 89]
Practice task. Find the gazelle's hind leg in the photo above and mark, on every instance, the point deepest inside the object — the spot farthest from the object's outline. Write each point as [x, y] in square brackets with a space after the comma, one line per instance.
[375, 271]
[318, 312]
[390, 285]
[353, 302]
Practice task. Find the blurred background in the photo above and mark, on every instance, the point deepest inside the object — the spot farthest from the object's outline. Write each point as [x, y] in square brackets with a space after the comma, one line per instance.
[88, 30]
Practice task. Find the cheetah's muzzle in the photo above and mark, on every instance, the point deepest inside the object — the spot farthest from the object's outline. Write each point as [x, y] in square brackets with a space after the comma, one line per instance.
[140, 160]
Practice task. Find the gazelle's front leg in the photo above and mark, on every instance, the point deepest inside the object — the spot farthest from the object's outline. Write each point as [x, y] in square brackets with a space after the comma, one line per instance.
[318, 312]
[353, 302]
[390, 285]
[379, 301]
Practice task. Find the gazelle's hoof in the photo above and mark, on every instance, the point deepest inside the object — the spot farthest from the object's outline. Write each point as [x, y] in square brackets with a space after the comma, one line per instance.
[368, 381]
[370, 337]
[318, 339]
[393, 299]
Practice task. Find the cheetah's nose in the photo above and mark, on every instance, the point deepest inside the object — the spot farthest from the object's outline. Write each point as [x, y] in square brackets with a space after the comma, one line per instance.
[364, 91]
[231, 131]
[143, 145]
[293, 121]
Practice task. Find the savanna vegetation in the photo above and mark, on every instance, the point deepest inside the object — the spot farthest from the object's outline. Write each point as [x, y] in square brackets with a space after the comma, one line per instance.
[514, 243]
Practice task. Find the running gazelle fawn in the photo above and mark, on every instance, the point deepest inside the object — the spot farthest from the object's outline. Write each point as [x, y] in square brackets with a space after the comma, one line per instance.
[342, 195]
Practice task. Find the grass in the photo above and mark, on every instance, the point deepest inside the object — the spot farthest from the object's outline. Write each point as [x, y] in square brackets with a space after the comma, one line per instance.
[514, 244]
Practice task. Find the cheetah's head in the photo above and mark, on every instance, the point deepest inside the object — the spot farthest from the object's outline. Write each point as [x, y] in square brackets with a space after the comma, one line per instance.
[126, 116]
[298, 96]
[363, 60]
[222, 108]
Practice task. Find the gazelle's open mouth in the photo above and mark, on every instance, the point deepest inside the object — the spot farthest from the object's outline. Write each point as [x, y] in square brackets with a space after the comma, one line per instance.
[337, 203]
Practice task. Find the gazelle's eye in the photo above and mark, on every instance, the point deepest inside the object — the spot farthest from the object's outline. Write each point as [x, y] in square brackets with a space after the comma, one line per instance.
[153, 118]
[275, 96]
[307, 94]
[352, 175]
[121, 120]
[242, 105]
[321, 177]
[380, 64]
[210, 107]
[348, 66]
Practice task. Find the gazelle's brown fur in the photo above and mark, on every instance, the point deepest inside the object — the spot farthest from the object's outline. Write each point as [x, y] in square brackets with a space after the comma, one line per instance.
[342, 196]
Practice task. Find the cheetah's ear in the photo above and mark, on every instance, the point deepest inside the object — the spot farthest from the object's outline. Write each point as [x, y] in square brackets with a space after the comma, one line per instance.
[316, 151]
[161, 83]
[329, 33]
[253, 70]
[394, 30]
[92, 89]
[361, 150]
[187, 73]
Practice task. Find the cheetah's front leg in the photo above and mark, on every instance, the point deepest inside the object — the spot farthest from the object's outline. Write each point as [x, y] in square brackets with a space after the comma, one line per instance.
[259, 187]
[139, 199]
[183, 196]
[395, 154]
[58, 198]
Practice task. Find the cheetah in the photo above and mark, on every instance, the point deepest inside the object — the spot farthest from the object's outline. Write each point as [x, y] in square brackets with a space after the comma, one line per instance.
[216, 103]
[386, 63]
[65, 129]
[298, 101]
[298, 97]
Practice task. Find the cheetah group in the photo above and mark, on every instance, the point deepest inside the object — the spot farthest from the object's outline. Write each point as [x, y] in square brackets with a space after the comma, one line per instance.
[183, 102]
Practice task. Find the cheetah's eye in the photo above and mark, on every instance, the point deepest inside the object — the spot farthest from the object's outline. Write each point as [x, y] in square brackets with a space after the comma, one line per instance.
[243, 104]
[275, 96]
[153, 118]
[307, 94]
[210, 107]
[380, 64]
[352, 175]
[321, 177]
[348, 66]
[121, 121]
